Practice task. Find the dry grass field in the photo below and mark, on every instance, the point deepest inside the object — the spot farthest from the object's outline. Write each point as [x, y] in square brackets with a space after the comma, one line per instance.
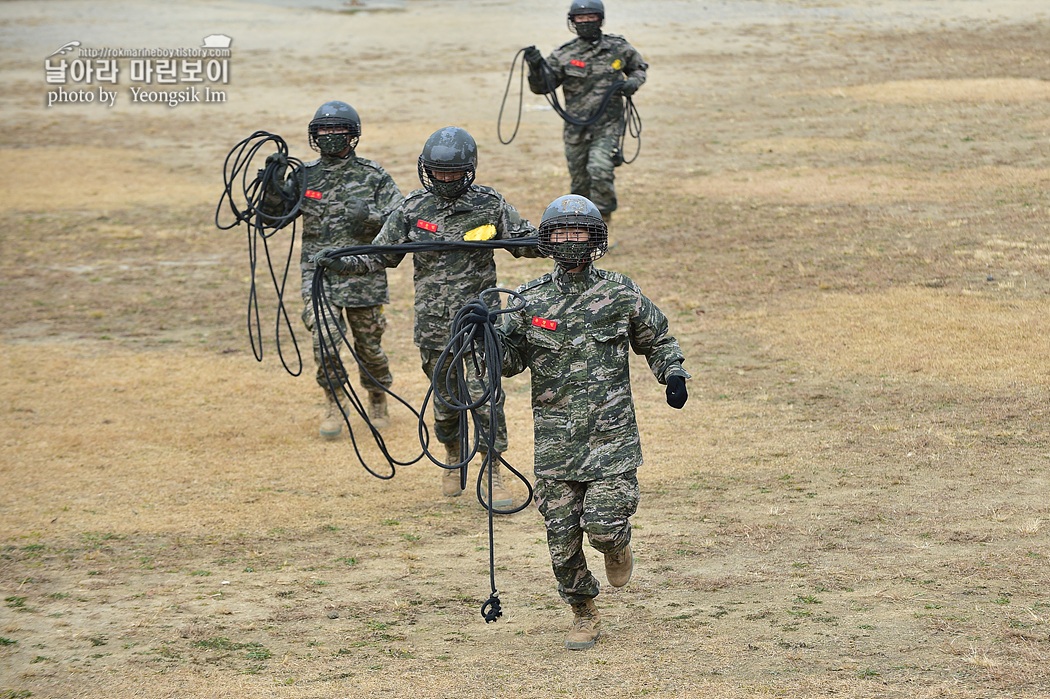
[843, 208]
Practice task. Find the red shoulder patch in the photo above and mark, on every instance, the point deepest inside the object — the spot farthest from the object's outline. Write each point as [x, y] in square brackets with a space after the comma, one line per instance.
[544, 323]
[578, 63]
[426, 225]
[312, 194]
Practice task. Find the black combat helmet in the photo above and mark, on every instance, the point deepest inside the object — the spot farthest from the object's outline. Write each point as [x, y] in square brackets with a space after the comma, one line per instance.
[586, 30]
[339, 115]
[448, 150]
[572, 231]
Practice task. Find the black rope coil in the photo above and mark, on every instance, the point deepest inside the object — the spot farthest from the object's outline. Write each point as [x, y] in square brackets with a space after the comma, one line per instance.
[245, 204]
[484, 349]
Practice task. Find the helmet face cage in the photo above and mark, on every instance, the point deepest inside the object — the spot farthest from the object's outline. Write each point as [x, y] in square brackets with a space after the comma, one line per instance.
[353, 129]
[573, 239]
[451, 189]
[448, 150]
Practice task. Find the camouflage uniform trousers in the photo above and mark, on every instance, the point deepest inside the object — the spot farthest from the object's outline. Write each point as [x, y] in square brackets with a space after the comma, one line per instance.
[602, 509]
[366, 326]
[590, 159]
[446, 420]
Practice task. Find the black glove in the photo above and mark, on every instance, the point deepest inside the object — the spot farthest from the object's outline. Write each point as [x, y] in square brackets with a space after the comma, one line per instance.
[280, 158]
[630, 86]
[676, 393]
[275, 183]
[477, 313]
[341, 265]
[533, 56]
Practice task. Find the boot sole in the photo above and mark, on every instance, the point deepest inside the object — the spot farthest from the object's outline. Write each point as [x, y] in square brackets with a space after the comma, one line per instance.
[330, 435]
[582, 645]
[629, 574]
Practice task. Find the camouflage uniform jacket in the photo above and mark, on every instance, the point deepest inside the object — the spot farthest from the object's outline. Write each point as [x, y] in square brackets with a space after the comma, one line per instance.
[574, 334]
[585, 70]
[447, 280]
[330, 184]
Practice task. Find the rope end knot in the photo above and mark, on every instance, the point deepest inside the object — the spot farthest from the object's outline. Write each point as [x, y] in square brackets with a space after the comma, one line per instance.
[491, 611]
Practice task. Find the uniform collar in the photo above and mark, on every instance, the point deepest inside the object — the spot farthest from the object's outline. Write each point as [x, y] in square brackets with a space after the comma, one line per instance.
[332, 163]
[569, 282]
[591, 45]
[459, 205]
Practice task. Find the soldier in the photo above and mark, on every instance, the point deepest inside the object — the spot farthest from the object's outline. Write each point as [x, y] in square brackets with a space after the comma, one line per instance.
[574, 334]
[449, 207]
[345, 201]
[586, 68]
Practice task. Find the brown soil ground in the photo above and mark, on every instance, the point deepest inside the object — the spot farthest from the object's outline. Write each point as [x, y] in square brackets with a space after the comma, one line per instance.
[843, 210]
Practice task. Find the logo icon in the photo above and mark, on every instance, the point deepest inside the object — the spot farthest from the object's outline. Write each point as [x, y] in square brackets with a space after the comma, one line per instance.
[66, 48]
[216, 41]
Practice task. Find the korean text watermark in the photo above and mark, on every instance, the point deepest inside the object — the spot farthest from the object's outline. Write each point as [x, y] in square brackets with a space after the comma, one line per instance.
[170, 76]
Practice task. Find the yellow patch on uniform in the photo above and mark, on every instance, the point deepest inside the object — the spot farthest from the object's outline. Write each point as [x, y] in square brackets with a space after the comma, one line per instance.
[486, 232]
[617, 64]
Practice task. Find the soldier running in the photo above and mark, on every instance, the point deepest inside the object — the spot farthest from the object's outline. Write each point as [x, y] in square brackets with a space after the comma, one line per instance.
[586, 68]
[574, 335]
[346, 199]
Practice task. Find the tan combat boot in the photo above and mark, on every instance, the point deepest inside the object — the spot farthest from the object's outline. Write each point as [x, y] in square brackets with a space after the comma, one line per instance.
[586, 626]
[332, 422]
[501, 497]
[377, 412]
[619, 566]
[450, 485]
